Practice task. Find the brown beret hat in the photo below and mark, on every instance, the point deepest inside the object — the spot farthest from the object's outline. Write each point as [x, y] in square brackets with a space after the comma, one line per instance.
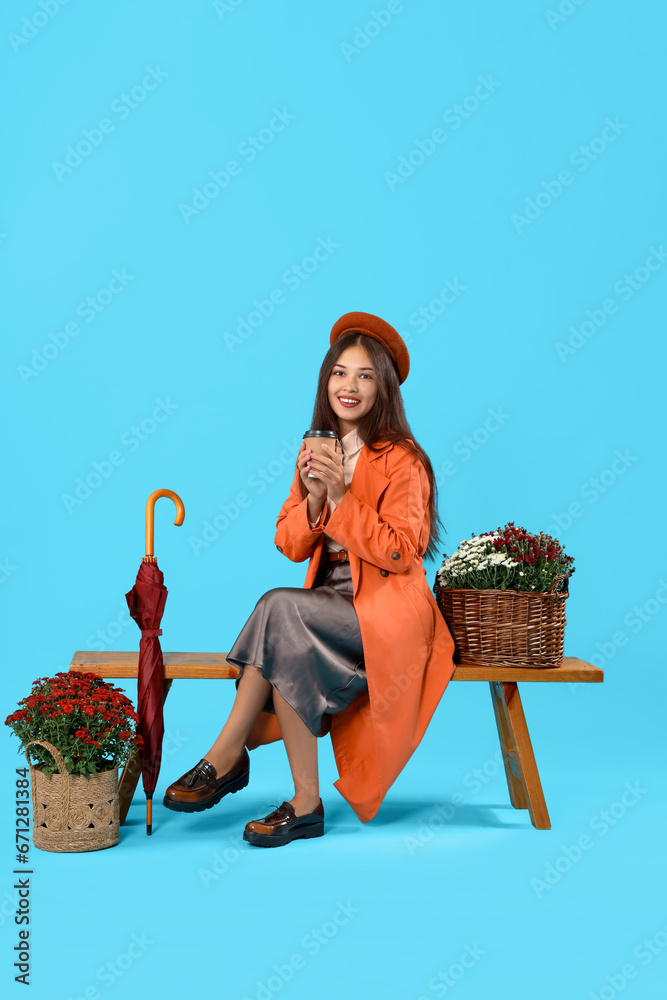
[375, 327]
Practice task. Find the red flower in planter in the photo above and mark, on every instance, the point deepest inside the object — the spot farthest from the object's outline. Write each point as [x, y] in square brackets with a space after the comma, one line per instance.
[63, 697]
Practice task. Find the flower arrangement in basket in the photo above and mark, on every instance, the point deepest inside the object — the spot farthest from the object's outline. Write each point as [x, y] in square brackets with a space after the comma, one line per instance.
[79, 729]
[503, 594]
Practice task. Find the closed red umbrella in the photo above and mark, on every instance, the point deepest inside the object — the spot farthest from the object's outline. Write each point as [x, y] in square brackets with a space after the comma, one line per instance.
[146, 603]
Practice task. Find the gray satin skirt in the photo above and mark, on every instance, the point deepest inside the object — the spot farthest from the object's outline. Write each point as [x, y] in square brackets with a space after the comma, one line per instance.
[307, 643]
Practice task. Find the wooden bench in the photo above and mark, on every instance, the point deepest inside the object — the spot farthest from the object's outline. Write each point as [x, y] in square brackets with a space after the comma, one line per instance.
[523, 779]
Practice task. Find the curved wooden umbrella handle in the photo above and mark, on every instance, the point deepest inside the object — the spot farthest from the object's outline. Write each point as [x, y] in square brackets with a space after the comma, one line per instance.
[150, 515]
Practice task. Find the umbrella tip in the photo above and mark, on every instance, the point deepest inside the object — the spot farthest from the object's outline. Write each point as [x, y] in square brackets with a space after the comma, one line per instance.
[149, 814]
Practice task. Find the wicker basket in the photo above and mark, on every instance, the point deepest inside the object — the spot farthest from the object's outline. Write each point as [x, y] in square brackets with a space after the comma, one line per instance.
[498, 628]
[71, 812]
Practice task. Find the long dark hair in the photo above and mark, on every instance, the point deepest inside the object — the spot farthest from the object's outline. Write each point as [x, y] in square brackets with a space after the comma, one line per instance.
[385, 422]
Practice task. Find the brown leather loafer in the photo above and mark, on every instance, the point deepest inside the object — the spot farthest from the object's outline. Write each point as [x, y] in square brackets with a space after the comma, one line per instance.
[283, 825]
[200, 788]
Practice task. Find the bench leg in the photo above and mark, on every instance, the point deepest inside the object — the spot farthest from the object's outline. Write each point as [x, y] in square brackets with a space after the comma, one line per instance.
[507, 745]
[523, 779]
[132, 772]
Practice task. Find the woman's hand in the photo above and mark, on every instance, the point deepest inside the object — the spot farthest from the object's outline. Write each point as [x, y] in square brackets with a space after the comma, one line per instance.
[316, 487]
[330, 468]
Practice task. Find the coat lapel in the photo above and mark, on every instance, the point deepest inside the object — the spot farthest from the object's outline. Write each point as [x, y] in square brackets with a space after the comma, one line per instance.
[368, 483]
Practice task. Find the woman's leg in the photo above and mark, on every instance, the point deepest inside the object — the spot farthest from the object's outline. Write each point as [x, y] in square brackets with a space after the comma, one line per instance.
[300, 743]
[301, 746]
[248, 703]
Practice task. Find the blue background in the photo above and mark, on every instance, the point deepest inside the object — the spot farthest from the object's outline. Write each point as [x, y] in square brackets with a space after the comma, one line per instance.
[533, 259]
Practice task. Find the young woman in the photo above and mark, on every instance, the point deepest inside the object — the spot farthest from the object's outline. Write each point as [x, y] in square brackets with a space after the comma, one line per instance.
[361, 651]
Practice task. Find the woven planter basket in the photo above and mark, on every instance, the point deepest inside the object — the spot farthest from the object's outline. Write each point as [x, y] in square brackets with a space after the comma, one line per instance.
[500, 628]
[71, 812]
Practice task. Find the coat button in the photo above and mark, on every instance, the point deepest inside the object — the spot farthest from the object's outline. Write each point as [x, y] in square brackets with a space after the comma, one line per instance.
[384, 572]
[279, 549]
[396, 555]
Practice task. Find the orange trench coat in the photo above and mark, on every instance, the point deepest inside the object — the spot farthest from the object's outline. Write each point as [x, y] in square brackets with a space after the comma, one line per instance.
[383, 522]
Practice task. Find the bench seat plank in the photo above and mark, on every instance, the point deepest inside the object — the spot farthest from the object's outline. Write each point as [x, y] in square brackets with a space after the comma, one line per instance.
[214, 666]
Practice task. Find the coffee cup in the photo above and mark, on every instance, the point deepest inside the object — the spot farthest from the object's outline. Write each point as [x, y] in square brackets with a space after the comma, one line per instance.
[314, 440]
